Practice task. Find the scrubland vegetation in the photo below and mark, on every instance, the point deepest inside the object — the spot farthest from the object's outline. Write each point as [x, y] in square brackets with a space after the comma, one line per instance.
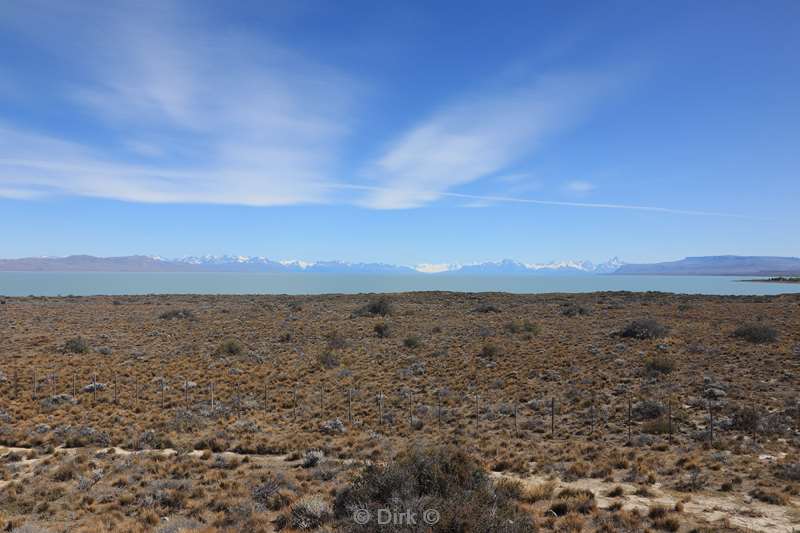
[598, 412]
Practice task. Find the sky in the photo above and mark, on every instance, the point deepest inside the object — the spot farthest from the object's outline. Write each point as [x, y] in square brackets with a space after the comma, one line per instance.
[400, 132]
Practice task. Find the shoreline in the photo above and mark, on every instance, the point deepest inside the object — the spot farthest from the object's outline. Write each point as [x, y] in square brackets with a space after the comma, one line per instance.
[780, 279]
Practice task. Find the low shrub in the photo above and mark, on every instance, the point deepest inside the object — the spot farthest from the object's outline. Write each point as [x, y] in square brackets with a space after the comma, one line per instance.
[328, 360]
[489, 351]
[756, 333]
[540, 492]
[76, 345]
[177, 314]
[523, 327]
[772, 498]
[658, 426]
[573, 310]
[486, 308]
[230, 347]
[412, 342]
[568, 500]
[308, 513]
[659, 364]
[336, 341]
[379, 307]
[444, 479]
[788, 470]
[382, 330]
[646, 328]
[745, 419]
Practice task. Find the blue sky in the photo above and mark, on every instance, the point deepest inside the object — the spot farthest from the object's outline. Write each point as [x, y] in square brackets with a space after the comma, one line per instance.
[422, 132]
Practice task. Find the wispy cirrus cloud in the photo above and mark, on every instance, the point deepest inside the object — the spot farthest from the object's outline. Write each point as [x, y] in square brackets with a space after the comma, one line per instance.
[186, 112]
[479, 136]
[579, 187]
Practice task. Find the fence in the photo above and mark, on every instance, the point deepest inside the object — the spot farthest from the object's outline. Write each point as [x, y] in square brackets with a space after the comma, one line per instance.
[368, 408]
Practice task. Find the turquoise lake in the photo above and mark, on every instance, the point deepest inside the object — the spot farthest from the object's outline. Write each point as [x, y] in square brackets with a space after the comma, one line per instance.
[93, 283]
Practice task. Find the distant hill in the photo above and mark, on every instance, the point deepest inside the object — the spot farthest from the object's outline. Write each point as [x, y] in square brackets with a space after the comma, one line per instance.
[88, 263]
[718, 265]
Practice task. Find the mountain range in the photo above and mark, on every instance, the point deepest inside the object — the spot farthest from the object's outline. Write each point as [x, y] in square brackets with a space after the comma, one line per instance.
[228, 263]
[698, 266]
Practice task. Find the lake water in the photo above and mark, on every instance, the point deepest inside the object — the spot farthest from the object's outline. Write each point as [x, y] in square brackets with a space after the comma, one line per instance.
[91, 283]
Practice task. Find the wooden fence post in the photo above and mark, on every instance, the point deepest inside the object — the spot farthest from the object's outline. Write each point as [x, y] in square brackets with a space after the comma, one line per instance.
[238, 397]
[630, 439]
[669, 419]
[411, 411]
[516, 425]
[211, 387]
[477, 412]
[380, 408]
[710, 424]
[350, 406]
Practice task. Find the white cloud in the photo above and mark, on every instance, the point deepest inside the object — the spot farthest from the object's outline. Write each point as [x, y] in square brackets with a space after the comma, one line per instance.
[579, 187]
[477, 137]
[189, 115]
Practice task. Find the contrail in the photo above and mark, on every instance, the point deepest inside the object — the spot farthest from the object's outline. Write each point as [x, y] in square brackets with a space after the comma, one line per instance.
[591, 205]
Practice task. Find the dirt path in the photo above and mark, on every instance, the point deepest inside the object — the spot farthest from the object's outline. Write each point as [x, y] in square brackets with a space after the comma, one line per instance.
[740, 511]
[25, 467]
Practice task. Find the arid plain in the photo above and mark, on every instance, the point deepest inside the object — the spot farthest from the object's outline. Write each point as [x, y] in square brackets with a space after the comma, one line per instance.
[604, 411]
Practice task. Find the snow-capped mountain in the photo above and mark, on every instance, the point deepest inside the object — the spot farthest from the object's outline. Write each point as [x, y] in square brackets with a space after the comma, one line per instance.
[241, 263]
[236, 263]
[511, 267]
